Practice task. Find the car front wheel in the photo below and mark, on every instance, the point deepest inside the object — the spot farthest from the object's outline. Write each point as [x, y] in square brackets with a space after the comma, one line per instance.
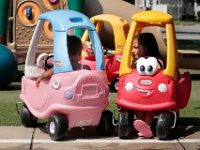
[114, 85]
[164, 124]
[28, 120]
[123, 125]
[57, 126]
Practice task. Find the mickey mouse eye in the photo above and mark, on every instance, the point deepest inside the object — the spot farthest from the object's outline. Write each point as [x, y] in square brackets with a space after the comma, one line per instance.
[149, 68]
[141, 66]
[152, 66]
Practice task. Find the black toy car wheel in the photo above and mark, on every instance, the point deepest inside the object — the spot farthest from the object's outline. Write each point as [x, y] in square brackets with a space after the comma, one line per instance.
[164, 124]
[57, 126]
[131, 118]
[114, 85]
[105, 126]
[28, 120]
[123, 125]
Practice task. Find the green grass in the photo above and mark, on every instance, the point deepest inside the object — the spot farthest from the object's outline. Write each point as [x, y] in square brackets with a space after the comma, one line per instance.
[186, 22]
[10, 95]
[9, 115]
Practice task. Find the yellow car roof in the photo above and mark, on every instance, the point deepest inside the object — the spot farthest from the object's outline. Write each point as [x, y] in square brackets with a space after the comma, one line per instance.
[115, 21]
[152, 16]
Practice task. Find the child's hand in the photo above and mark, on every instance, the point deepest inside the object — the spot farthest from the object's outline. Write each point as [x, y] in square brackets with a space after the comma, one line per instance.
[37, 82]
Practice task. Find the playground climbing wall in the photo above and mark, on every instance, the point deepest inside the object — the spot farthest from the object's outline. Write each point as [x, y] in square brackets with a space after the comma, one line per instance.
[23, 17]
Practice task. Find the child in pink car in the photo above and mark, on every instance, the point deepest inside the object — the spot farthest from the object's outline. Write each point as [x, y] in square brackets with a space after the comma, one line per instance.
[145, 45]
[75, 48]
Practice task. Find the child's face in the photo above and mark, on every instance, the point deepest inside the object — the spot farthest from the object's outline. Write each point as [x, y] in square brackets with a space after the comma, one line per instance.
[138, 50]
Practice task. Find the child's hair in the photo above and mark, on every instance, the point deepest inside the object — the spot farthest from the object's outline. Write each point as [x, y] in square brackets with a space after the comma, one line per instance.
[148, 41]
[74, 44]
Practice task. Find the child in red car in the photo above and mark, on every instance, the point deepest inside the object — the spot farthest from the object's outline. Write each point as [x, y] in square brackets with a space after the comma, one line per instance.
[145, 45]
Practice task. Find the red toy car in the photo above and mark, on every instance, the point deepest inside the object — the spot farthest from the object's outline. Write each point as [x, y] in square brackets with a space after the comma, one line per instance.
[162, 91]
[112, 58]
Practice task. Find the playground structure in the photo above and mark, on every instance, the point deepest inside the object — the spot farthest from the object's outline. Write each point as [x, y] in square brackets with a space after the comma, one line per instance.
[22, 17]
[18, 21]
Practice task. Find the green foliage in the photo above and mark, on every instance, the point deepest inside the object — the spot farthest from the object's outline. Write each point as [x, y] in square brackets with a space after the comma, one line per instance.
[181, 22]
[198, 14]
[188, 45]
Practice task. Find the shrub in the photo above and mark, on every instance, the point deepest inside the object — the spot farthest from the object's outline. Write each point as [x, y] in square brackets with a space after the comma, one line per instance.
[198, 14]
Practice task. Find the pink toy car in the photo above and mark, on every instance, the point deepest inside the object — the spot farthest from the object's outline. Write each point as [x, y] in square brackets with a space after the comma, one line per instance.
[112, 63]
[69, 98]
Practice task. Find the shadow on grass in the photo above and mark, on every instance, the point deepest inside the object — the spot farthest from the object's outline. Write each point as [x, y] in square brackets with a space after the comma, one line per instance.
[15, 85]
[186, 121]
[197, 107]
[19, 76]
[11, 87]
[183, 131]
[195, 76]
[186, 126]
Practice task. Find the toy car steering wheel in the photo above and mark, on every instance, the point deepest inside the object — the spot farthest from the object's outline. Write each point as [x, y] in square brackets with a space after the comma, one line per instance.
[46, 64]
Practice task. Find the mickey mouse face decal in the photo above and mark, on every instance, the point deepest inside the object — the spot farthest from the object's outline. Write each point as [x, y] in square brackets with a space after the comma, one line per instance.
[147, 66]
